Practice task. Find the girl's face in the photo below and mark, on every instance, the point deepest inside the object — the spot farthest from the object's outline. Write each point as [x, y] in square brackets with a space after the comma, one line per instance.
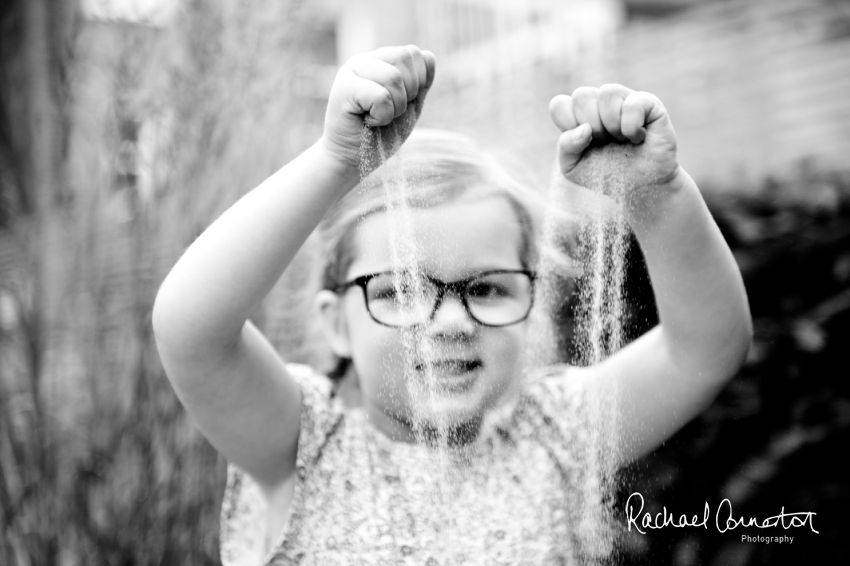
[471, 366]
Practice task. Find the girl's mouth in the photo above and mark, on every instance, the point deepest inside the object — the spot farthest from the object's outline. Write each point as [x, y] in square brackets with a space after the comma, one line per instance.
[450, 376]
[449, 366]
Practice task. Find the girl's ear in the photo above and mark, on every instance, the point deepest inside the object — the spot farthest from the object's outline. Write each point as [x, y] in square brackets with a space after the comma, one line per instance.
[334, 324]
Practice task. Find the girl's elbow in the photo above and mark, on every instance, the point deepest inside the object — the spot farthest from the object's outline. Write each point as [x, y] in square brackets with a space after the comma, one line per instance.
[721, 355]
[173, 331]
[162, 316]
[744, 334]
[746, 342]
[738, 342]
[166, 335]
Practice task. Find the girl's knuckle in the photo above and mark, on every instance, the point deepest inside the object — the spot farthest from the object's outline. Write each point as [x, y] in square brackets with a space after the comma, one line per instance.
[385, 99]
[584, 93]
[395, 79]
[631, 102]
[648, 97]
[406, 56]
[610, 90]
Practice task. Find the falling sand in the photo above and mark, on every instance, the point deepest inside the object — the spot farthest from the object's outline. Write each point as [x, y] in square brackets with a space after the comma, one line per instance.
[428, 425]
[600, 253]
[599, 247]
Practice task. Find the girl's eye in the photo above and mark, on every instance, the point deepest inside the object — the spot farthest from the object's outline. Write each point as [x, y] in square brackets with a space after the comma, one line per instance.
[383, 294]
[385, 289]
[483, 289]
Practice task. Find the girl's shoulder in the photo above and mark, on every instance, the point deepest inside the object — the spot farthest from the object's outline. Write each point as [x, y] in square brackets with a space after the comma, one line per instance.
[243, 536]
[311, 380]
[554, 388]
[551, 409]
[321, 410]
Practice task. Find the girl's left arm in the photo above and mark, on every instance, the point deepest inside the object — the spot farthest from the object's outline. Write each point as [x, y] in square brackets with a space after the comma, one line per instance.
[667, 376]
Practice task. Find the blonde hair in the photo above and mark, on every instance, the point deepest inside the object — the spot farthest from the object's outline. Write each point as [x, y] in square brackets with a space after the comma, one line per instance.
[440, 167]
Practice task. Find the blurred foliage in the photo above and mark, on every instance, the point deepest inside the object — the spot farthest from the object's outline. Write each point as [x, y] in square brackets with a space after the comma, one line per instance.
[775, 436]
[99, 463]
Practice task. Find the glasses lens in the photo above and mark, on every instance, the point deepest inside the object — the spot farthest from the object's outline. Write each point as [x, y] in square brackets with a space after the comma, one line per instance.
[499, 299]
[400, 299]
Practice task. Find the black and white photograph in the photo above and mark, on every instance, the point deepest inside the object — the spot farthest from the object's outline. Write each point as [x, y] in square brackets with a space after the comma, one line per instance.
[424, 282]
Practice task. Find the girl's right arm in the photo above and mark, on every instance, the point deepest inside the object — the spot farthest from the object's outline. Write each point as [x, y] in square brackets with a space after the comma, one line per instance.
[226, 374]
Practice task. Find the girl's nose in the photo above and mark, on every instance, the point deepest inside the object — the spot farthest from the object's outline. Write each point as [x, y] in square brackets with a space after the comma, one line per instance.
[451, 317]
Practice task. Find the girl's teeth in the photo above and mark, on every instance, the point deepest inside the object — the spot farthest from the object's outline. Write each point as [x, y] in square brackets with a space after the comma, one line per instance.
[452, 365]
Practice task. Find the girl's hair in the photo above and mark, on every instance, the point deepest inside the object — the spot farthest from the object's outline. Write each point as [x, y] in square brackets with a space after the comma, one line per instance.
[439, 167]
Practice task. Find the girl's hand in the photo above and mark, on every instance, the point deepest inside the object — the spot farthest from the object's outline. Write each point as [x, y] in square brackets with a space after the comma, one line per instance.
[378, 87]
[616, 114]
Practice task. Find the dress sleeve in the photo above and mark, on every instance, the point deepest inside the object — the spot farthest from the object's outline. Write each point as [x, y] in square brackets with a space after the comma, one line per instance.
[576, 428]
[243, 509]
[551, 409]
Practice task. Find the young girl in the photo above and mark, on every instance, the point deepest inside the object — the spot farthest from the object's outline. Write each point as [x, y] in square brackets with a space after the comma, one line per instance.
[339, 471]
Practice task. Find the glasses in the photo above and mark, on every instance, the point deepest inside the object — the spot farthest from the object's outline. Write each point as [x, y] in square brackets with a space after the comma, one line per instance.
[491, 298]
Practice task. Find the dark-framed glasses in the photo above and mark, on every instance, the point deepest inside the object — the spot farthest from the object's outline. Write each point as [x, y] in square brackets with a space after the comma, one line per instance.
[404, 299]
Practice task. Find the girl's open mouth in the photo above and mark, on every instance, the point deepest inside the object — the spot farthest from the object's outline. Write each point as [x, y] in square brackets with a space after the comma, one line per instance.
[449, 366]
[450, 375]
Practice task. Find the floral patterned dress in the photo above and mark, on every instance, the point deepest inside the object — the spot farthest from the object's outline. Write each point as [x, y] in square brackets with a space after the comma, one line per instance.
[521, 493]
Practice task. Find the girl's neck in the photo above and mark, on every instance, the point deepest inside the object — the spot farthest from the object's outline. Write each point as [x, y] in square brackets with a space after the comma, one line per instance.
[399, 430]
[395, 429]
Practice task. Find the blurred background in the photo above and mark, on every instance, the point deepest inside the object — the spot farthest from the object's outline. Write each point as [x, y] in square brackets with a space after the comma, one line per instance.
[127, 126]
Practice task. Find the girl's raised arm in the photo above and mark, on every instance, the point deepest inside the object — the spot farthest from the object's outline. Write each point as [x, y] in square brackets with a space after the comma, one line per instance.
[666, 377]
[224, 371]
